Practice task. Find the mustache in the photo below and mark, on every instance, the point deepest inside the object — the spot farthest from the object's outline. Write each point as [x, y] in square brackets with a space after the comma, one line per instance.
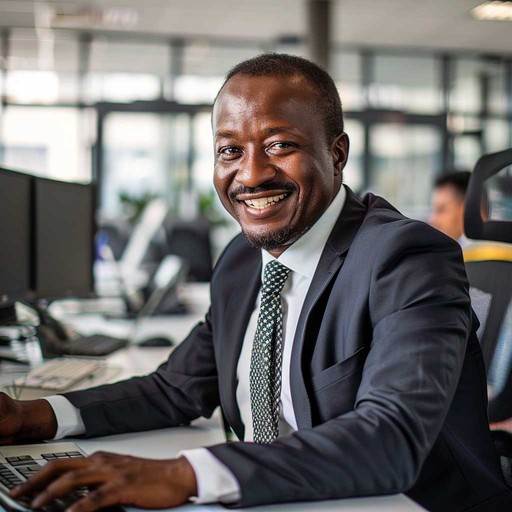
[264, 187]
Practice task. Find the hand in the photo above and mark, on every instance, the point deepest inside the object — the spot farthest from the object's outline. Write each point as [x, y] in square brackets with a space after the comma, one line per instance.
[25, 420]
[113, 479]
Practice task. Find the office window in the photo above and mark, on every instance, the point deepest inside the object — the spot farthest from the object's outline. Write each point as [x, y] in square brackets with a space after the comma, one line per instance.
[405, 83]
[405, 159]
[346, 72]
[497, 135]
[467, 149]
[203, 153]
[195, 89]
[122, 71]
[204, 69]
[121, 87]
[47, 141]
[145, 155]
[202, 172]
[43, 67]
[476, 80]
[465, 94]
[495, 73]
[353, 172]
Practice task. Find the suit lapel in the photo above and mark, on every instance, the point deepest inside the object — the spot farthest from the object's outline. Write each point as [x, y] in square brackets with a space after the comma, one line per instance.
[237, 314]
[330, 262]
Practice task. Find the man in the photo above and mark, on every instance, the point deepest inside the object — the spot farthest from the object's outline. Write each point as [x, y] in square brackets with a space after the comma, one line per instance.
[350, 367]
[448, 205]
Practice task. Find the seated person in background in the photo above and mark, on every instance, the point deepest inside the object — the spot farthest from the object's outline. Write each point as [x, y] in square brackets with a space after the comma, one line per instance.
[353, 370]
[448, 217]
[448, 205]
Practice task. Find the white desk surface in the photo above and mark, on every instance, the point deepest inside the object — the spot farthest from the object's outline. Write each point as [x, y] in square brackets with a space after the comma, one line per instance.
[166, 443]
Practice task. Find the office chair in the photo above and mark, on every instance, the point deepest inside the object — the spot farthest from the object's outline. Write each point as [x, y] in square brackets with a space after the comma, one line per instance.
[489, 268]
[190, 240]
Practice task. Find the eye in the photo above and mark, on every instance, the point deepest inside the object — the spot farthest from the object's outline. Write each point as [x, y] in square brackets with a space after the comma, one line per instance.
[281, 147]
[229, 152]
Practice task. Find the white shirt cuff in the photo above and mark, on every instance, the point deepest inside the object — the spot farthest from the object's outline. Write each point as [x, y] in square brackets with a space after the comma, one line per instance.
[69, 420]
[215, 481]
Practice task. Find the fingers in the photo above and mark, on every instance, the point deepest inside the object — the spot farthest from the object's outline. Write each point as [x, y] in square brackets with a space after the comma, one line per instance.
[103, 496]
[115, 479]
[46, 475]
[66, 484]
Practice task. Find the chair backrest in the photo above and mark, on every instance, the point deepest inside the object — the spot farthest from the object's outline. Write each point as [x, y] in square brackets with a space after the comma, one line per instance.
[489, 265]
[190, 240]
[489, 268]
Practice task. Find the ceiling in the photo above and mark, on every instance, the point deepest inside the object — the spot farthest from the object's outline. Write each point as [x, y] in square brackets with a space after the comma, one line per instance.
[439, 24]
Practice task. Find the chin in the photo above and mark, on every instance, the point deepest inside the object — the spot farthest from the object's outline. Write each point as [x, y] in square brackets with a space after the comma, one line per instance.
[276, 239]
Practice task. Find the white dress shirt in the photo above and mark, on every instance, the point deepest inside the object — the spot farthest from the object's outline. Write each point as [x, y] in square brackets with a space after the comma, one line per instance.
[215, 481]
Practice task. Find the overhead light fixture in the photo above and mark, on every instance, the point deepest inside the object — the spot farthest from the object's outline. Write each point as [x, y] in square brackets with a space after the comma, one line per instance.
[114, 17]
[494, 11]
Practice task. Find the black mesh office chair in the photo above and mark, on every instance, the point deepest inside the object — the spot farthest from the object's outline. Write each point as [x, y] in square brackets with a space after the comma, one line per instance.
[190, 240]
[489, 268]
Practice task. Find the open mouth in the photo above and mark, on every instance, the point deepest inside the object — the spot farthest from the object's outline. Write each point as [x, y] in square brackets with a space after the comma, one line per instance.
[261, 203]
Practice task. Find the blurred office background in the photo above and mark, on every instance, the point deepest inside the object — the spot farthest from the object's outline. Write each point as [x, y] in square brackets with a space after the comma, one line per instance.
[119, 91]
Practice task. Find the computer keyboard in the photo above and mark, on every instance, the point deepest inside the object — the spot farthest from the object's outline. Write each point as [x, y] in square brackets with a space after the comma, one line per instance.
[95, 345]
[18, 463]
[61, 373]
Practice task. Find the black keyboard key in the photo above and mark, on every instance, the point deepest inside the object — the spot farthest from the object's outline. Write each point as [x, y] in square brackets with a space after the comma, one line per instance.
[10, 481]
[17, 463]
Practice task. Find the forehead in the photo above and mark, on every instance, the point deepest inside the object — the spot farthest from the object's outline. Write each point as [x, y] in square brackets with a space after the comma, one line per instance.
[255, 98]
[448, 193]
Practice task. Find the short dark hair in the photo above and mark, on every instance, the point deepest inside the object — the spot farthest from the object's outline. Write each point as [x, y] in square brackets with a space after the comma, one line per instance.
[459, 180]
[281, 64]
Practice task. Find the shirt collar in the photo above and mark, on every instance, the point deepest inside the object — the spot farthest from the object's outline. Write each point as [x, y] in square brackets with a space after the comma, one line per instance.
[304, 254]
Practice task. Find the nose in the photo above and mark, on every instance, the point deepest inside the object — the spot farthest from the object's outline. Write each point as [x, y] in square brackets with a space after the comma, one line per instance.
[255, 169]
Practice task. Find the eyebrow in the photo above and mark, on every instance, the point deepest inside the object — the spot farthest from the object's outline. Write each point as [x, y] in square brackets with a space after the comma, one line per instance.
[220, 133]
[270, 131]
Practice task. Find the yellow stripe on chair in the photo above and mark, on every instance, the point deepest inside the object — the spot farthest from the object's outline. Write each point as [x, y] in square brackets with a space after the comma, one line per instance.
[487, 252]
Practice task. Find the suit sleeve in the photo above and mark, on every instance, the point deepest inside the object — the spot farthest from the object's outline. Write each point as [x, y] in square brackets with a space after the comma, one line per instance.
[419, 311]
[180, 390]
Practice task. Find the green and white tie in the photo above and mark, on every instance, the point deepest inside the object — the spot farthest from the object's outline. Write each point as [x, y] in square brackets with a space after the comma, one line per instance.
[267, 355]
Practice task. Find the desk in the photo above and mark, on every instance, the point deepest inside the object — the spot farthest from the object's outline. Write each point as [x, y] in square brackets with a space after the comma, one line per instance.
[166, 443]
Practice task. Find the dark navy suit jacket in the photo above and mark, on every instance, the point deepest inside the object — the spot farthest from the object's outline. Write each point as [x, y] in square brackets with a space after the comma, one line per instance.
[387, 378]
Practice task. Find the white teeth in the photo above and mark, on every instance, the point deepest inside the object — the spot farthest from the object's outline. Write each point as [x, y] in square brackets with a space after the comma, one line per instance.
[264, 202]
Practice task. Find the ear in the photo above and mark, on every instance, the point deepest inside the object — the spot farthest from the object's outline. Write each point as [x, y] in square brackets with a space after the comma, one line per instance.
[339, 151]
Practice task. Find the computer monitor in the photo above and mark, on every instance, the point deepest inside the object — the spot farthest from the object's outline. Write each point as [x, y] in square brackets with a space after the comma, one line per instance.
[64, 230]
[15, 236]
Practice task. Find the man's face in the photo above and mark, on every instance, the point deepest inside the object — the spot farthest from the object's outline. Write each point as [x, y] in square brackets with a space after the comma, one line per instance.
[275, 170]
[448, 211]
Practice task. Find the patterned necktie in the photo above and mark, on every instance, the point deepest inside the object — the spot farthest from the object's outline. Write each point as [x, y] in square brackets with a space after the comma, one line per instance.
[266, 358]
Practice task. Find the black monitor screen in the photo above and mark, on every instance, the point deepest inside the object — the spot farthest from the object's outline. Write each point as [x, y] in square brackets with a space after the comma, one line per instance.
[14, 235]
[64, 234]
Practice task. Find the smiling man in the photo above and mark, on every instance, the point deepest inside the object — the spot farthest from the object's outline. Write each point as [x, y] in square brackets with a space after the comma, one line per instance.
[340, 342]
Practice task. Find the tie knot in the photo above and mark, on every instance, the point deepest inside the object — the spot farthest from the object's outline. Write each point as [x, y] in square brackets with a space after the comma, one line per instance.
[274, 278]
